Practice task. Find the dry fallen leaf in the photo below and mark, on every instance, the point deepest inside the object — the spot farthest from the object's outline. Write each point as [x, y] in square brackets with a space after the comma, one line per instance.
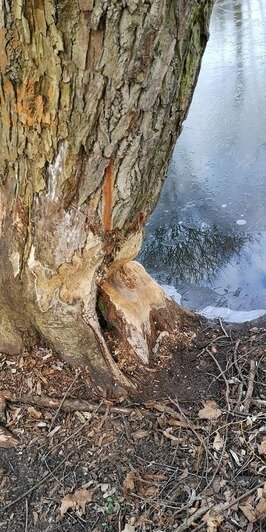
[157, 478]
[210, 410]
[262, 447]
[260, 510]
[104, 487]
[248, 512]
[7, 439]
[217, 484]
[151, 491]
[218, 441]
[106, 439]
[129, 482]
[213, 521]
[181, 423]
[129, 528]
[34, 413]
[138, 434]
[235, 457]
[76, 501]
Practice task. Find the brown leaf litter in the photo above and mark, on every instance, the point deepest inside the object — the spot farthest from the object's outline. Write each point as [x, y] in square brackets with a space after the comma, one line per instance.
[169, 464]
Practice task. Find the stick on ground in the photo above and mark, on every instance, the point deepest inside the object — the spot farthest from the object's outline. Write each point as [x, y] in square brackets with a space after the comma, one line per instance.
[68, 405]
[251, 380]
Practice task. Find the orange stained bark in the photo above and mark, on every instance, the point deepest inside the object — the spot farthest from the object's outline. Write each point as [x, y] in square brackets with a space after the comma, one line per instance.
[29, 105]
[108, 196]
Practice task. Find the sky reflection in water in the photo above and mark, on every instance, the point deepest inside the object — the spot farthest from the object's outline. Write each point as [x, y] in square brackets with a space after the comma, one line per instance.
[209, 227]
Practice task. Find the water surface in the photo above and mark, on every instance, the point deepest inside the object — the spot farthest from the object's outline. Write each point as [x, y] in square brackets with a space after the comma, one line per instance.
[207, 236]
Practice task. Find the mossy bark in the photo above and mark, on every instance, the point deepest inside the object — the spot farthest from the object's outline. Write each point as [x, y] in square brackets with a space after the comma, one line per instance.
[92, 98]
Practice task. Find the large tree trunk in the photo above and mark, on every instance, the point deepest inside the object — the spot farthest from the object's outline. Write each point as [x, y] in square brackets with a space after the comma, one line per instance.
[93, 95]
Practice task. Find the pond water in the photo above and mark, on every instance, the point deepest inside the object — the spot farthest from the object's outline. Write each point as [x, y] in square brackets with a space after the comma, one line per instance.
[207, 235]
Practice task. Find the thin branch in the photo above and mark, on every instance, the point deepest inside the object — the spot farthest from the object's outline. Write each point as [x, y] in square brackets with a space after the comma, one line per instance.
[236, 361]
[239, 397]
[223, 329]
[217, 508]
[68, 405]
[251, 380]
[63, 400]
[222, 374]
[207, 451]
[26, 515]
[194, 517]
[210, 344]
[258, 402]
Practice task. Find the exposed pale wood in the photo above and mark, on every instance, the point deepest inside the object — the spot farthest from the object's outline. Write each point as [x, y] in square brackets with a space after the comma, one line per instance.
[139, 314]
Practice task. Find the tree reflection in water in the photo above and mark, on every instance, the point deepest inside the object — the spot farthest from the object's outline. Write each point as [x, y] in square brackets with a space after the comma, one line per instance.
[189, 254]
[216, 179]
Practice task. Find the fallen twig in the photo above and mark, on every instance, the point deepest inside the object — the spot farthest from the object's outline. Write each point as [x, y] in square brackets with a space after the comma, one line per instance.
[63, 401]
[258, 402]
[26, 515]
[71, 436]
[222, 327]
[236, 360]
[251, 380]
[211, 343]
[194, 517]
[68, 405]
[222, 374]
[207, 451]
[239, 397]
[219, 508]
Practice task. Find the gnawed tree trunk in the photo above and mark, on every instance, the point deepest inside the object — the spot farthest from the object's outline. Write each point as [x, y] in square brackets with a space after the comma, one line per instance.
[93, 96]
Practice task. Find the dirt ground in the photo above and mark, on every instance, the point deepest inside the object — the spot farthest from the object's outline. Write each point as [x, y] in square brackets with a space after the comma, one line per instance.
[190, 457]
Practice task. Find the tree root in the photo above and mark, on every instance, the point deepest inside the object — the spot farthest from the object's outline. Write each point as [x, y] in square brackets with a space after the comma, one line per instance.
[80, 342]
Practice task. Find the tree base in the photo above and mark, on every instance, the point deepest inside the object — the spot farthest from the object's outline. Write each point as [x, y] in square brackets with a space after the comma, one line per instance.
[136, 325]
[10, 339]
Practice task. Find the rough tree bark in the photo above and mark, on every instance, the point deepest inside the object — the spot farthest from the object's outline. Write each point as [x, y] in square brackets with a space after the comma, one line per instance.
[93, 94]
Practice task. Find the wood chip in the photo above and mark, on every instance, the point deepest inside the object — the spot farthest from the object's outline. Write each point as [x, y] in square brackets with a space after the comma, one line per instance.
[262, 447]
[7, 439]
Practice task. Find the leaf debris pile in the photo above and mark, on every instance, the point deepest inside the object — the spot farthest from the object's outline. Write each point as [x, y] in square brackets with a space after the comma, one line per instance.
[160, 466]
